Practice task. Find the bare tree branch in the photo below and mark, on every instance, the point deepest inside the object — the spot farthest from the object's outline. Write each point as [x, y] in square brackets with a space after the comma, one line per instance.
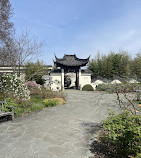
[27, 48]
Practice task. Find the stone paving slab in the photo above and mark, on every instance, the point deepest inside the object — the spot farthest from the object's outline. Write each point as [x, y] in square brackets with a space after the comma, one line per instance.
[59, 132]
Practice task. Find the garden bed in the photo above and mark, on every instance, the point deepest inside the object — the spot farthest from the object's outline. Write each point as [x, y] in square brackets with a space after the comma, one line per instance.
[35, 103]
[120, 137]
[39, 99]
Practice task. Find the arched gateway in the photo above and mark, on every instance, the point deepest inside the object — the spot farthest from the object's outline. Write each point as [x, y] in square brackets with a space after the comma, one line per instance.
[69, 64]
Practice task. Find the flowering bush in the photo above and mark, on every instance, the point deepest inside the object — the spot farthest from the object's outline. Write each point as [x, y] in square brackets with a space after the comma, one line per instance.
[32, 84]
[9, 84]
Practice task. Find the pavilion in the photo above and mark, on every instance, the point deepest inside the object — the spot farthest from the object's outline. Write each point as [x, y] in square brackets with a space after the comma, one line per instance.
[66, 66]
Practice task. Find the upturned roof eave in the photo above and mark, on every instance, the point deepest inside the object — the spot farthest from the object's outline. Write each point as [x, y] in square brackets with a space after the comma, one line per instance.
[62, 61]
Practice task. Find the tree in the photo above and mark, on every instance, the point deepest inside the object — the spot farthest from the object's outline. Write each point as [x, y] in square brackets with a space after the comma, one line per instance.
[6, 27]
[113, 64]
[93, 67]
[6, 33]
[35, 72]
[136, 65]
[15, 50]
[27, 48]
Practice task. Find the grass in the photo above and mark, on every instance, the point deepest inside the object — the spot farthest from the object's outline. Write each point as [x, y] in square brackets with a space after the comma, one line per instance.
[54, 101]
[43, 93]
[39, 99]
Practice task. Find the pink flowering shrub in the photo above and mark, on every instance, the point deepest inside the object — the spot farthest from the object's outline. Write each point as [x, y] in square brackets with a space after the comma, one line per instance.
[32, 84]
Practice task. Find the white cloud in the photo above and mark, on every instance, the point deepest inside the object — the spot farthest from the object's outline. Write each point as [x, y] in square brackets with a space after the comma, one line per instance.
[129, 35]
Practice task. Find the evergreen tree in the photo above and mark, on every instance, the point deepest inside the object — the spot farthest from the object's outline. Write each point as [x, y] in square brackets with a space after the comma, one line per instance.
[136, 66]
[108, 66]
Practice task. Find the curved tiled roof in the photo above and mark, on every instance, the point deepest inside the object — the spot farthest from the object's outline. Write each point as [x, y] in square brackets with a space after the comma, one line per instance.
[71, 60]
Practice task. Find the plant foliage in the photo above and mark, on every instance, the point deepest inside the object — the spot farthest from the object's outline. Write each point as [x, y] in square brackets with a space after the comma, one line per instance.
[47, 94]
[116, 64]
[54, 101]
[11, 85]
[124, 133]
[108, 66]
[35, 72]
[87, 87]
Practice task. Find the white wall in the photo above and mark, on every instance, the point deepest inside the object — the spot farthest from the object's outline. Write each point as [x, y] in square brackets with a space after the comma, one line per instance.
[55, 86]
[98, 82]
[13, 70]
[72, 76]
[85, 79]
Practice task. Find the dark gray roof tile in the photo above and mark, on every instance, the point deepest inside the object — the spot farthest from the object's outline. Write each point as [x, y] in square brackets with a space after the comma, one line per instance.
[71, 60]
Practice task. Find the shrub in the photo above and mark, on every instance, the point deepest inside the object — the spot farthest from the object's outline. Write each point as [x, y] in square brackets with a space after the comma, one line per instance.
[124, 133]
[59, 101]
[109, 87]
[43, 93]
[54, 101]
[35, 72]
[104, 87]
[10, 85]
[121, 87]
[34, 104]
[87, 87]
[50, 102]
[20, 108]
[32, 84]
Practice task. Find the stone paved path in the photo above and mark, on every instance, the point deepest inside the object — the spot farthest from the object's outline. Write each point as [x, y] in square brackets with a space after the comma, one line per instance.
[58, 132]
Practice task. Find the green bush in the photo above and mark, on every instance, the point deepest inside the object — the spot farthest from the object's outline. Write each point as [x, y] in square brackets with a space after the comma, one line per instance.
[110, 87]
[50, 102]
[35, 72]
[54, 101]
[36, 101]
[20, 108]
[34, 104]
[121, 87]
[105, 87]
[124, 133]
[87, 87]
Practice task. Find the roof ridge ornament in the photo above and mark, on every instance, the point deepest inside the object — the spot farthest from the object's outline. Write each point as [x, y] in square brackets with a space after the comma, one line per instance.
[55, 56]
[89, 56]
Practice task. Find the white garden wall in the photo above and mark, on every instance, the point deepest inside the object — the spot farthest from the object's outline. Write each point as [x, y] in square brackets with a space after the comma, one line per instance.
[85, 79]
[56, 81]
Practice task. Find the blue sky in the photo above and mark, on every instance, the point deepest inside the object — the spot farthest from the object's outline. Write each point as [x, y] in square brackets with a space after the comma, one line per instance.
[80, 27]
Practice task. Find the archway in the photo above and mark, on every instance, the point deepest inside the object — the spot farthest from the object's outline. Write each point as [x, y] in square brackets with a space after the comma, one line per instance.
[70, 63]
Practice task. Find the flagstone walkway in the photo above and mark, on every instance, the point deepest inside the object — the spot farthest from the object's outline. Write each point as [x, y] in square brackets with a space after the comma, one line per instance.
[59, 132]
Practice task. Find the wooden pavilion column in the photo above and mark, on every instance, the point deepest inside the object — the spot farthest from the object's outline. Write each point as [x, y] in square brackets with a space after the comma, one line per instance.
[62, 79]
[77, 78]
